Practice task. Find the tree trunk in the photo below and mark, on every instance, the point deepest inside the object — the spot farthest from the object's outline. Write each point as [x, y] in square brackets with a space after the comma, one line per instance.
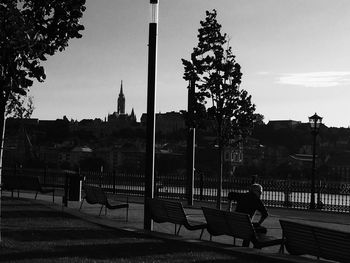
[219, 177]
[2, 137]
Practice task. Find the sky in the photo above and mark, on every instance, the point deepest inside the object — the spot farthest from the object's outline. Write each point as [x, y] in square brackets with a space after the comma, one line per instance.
[294, 54]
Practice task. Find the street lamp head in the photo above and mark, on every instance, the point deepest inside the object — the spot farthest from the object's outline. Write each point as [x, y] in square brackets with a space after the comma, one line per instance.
[154, 11]
[315, 122]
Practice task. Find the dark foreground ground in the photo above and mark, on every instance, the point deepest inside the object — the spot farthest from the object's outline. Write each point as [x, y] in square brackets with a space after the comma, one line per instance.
[34, 232]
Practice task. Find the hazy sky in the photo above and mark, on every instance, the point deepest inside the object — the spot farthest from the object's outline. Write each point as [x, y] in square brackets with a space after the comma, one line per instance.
[294, 54]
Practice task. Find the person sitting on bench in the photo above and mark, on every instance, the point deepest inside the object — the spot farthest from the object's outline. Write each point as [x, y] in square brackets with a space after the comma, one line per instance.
[249, 203]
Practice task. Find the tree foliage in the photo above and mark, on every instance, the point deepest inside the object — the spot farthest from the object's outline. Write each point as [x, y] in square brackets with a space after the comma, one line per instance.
[19, 106]
[218, 77]
[31, 30]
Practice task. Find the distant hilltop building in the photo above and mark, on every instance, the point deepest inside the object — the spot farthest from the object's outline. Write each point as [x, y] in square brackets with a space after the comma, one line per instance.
[120, 115]
[166, 122]
[121, 101]
[283, 124]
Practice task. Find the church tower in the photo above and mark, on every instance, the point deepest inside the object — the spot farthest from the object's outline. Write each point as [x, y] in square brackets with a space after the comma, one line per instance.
[121, 101]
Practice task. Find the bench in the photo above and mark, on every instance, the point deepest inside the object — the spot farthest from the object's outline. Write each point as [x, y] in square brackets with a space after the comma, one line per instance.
[164, 211]
[26, 183]
[96, 195]
[237, 225]
[307, 239]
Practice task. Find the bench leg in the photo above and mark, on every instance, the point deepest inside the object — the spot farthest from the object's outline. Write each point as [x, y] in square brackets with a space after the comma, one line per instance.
[281, 250]
[200, 237]
[245, 243]
[178, 231]
[229, 206]
[81, 204]
[100, 210]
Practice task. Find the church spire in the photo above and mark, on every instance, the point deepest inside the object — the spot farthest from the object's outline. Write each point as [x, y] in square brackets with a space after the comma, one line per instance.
[121, 100]
[132, 115]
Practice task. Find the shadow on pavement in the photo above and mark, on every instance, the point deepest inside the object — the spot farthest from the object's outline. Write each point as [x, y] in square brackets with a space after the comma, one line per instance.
[37, 233]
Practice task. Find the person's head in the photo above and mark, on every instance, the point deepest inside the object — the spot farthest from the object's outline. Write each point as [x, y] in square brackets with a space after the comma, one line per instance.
[256, 189]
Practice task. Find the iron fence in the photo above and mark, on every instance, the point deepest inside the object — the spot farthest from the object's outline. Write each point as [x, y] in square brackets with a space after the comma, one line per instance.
[330, 196]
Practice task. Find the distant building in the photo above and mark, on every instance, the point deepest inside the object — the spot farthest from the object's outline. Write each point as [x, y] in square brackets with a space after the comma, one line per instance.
[283, 124]
[129, 157]
[80, 153]
[121, 101]
[167, 122]
[120, 117]
[95, 127]
[253, 152]
[339, 164]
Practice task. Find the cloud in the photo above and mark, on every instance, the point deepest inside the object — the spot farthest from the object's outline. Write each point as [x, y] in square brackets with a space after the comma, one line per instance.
[263, 73]
[316, 79]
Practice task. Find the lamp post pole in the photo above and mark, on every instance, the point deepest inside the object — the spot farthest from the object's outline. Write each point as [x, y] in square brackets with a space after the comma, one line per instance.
[315, 122]
[313, 172]
[151, 95]
[191, 143]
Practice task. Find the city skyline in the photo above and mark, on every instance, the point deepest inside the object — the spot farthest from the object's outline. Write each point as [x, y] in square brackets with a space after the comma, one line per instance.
[293, 54]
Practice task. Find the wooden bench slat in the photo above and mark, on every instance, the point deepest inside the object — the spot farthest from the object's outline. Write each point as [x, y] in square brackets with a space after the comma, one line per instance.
[26, 183]
[333, 244]
[307, 239]
[176, 213]
[216, 224]
[96, 195]
[240, 225]
[299, 238]
[237, 225]
[173, 212]
[158, 211]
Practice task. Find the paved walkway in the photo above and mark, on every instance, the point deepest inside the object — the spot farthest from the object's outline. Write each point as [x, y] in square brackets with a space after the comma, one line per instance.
[116, 219]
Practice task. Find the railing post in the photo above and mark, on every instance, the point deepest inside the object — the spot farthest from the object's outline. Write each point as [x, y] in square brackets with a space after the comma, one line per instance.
[201, 185]
[114, 181]
[45, 173]
[319, 204]
[100, 179]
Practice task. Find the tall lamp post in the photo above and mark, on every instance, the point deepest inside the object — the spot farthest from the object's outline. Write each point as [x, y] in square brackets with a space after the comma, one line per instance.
[151, 95]
[191, 141]
[315, 122]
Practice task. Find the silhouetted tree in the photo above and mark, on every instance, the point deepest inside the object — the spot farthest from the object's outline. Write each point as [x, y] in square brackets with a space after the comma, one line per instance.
[20, 106]
[218, 77]
[30, 30]
[258, 119]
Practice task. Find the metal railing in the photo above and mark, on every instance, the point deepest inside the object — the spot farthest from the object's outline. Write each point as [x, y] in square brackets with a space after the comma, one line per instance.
[330, 196]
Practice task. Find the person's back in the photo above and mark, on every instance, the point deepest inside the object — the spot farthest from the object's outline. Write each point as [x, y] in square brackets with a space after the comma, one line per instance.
[250, 202]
